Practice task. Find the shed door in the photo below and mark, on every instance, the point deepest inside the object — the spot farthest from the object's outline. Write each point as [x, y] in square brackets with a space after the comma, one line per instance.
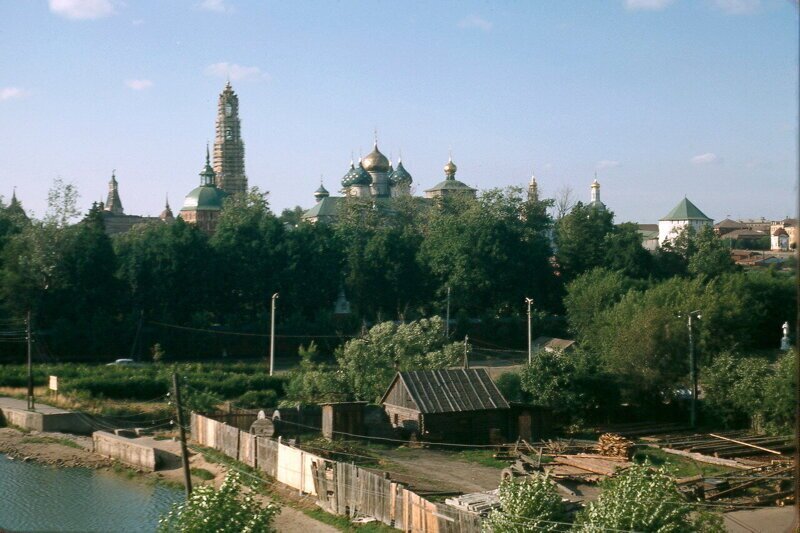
[524, 425]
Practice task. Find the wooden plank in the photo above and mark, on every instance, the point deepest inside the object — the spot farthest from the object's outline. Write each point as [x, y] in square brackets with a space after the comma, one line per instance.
[708, 459]
[591, 465]
[746, 444]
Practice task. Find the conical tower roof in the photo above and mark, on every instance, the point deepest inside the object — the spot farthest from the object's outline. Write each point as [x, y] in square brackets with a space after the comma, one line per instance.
[685, 210]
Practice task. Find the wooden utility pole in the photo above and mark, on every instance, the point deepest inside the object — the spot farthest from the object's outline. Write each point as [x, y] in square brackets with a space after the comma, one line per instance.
[272, 336]
[187, 475]
[466, 352]
[31, 401]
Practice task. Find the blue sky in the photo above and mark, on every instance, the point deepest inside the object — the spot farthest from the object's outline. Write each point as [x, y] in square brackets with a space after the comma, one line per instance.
[660, 97]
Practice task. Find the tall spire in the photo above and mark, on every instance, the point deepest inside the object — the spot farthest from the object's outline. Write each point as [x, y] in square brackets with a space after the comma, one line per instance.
[533, 189]
[228, 144]
[207, 175]
[113, 202]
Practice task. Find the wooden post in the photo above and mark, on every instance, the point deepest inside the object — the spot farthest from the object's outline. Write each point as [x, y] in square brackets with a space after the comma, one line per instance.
[31, 401]
[187, 475]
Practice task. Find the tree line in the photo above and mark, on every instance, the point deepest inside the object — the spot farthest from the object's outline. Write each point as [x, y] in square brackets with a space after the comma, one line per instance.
[92, 295]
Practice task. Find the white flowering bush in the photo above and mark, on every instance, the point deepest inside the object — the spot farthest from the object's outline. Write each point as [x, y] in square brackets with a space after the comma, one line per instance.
[646, 499]
[227, 510]
[529, 504]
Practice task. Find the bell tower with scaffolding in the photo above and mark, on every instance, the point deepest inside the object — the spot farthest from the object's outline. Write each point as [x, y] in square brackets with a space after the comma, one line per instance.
[228, 144]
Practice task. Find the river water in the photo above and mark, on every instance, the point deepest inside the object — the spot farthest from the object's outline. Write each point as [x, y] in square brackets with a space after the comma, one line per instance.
[40, 498]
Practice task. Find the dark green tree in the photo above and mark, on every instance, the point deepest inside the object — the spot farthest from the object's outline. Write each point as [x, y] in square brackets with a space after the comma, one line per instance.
[581, 239]
[624, 252]
[251, 258]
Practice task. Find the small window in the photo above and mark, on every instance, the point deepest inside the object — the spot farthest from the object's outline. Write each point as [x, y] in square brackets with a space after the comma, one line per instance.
[228, 134]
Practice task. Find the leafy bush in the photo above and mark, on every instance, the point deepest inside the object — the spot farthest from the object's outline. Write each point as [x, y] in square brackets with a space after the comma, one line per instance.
[530, 504]
[741, 390]
[256, 399]
[643, 498]
[227, 510]
[510, 385]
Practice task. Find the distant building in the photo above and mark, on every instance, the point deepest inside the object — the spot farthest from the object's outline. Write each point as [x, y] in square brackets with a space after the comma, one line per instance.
[789, 225]
[594, 197]
[450, 186]
[553, 344]
[15, 207]
[744, 238]
[228, 144]
[684, 215]
[203, 205]
[374, 178]
[649, 234]
[779, 240]
[114, 218]
[726, 226]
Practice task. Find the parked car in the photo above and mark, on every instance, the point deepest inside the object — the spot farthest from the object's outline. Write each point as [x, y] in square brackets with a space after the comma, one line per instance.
[122, 362]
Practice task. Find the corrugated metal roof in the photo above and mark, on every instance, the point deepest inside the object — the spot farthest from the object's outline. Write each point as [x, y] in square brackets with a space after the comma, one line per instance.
[452, 390]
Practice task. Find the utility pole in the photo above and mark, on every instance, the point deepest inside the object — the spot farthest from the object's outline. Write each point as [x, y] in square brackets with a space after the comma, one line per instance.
[529, 301]
[692, 369]
[31, 401]
[466, 352]
[187, 475]
[447, 319]
[272, 336]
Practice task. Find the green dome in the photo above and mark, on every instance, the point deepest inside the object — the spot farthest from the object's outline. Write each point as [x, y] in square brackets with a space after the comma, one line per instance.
[348, 178]
[400, 175]
[361, 176]
[204, 198]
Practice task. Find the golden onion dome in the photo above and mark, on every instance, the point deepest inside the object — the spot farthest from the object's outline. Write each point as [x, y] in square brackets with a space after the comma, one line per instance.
[376, 161]
[450, 168]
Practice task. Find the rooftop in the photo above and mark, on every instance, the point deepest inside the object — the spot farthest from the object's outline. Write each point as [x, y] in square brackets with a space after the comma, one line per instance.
[450, 390]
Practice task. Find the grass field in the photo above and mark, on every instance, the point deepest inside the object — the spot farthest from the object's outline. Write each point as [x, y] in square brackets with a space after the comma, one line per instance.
[124, 390]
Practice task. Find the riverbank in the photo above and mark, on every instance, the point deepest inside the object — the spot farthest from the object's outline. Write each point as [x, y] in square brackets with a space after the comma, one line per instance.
[53, 449]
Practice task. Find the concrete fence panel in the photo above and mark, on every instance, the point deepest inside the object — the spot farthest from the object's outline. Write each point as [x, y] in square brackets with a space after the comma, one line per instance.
[125, 450]
[247, 448]
[267, 456]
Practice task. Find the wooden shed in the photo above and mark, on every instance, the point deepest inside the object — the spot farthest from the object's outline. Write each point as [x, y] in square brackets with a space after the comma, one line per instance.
[453, 405]
[343, 419]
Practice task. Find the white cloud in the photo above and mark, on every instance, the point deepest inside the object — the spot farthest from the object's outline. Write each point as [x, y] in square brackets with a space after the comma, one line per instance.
[10, 93]
[606, 163]
[708, 158]
[647, 5]
[234, 72]
[220, 6]
[82, 9]
[138, 85]
[137, 22]
[737, 7]
[475, 22]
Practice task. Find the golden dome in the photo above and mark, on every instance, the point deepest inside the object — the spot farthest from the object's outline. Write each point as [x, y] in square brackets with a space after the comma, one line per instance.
[450, 168]
[376, 161]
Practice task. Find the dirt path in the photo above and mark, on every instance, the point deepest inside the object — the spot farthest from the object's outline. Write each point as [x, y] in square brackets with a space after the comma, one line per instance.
[431, 470]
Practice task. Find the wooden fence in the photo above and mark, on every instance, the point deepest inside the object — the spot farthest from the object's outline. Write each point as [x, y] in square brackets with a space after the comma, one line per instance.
[340, 488]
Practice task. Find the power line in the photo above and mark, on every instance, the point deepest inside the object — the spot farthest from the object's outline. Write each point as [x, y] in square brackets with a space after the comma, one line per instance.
[245, 334]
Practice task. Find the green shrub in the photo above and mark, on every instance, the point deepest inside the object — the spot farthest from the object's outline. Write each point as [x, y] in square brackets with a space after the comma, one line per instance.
[256, 399]
[530, 504]
[643, 498]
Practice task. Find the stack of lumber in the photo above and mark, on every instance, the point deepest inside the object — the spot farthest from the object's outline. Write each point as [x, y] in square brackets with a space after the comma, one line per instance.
[612, 445]
[476, 502]
[585, 467]
[731, 445]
